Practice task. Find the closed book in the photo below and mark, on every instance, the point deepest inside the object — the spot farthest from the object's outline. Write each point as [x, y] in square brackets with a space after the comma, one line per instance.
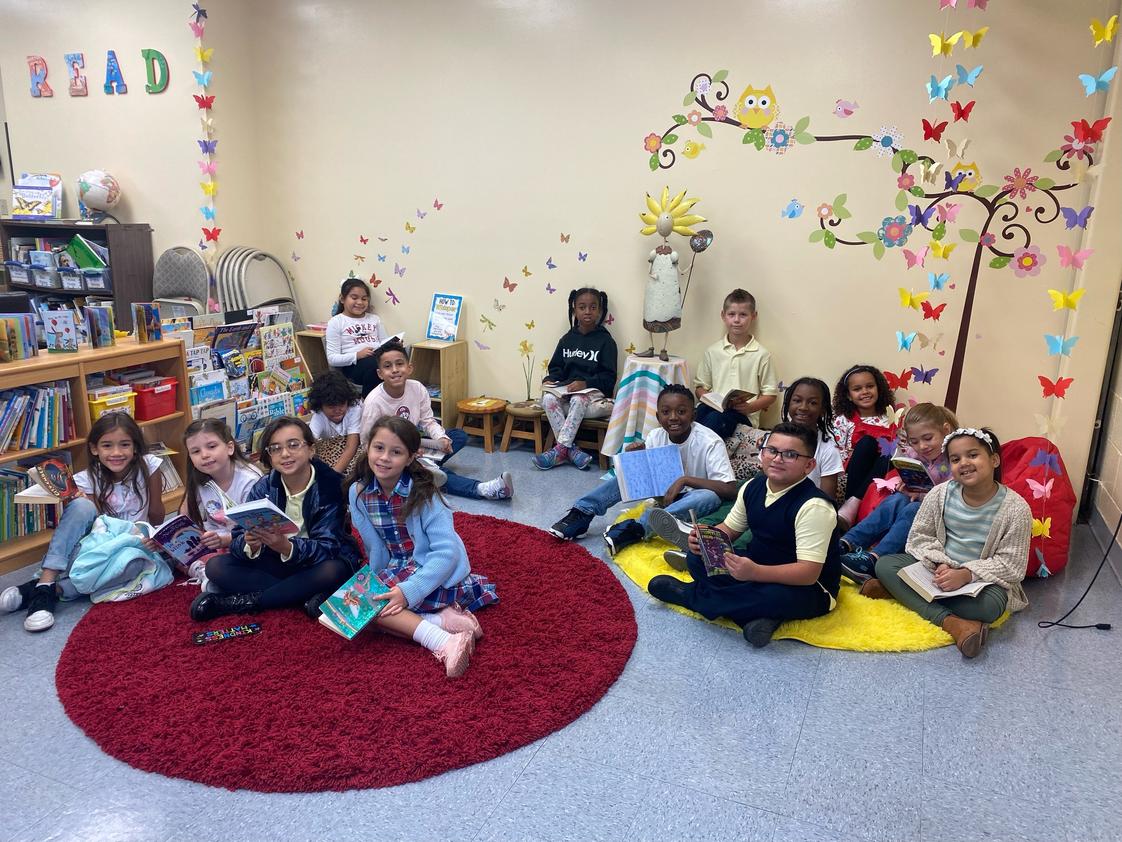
[350, 609]
[648, 472]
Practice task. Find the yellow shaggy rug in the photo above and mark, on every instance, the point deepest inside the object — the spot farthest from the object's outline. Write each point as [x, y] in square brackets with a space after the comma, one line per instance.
[856, 623]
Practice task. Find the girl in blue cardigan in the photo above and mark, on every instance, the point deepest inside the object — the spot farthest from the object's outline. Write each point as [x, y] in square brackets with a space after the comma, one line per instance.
[414, 550]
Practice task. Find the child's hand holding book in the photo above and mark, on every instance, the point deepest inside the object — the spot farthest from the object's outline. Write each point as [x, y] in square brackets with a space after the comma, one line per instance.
[394, 599]
[949, 578]
[635, 445]
[276, 541]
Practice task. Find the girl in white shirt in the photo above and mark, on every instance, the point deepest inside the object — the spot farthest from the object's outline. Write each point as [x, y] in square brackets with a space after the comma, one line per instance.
[353, 334]
[807, 403]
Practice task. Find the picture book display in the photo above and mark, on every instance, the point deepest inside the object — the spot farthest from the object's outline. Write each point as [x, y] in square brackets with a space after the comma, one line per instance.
[913, 476]
[60, 331]
[233, 337]
[720, 401]
[647, 472]
[99, 324]
[444, 317]
[146, 317]
[261, 514]
[350, 609]
[278, 342]
[922, 581]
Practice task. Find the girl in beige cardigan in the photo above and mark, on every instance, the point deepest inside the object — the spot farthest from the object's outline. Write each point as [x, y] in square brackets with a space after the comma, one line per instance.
[970, 529]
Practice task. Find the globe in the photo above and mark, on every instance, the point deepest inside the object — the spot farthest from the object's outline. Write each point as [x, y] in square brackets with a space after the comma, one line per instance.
[98, 190]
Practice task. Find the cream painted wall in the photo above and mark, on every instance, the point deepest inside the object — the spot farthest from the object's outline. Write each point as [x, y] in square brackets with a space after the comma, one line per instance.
[527, 120]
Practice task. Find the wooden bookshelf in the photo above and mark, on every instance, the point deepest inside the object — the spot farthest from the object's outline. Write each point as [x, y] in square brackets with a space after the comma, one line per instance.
[443, 364]
[166, 357]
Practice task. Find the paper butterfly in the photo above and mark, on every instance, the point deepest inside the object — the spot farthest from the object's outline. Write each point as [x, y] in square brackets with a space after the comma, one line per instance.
[1058, 388]
[977, 4]
[409, 228]
[1090, 132]
[1059, 345]
[405, 249]
[526, 272]
[399, 270]
[960, 111]
[947, 4]
[391, 298]
[973, 39]
[487, 323]
[933, 313]
[1104, 33]
[938, 281]
[211, 234]
[1073, 258]
[1074, 218]
[904, 341]
[920, 217]
[915, 258]
[295, 257]
[363, 240]
[924, 375]
[209, 187]
[931, 170]
[1049, 426]
[582, 256]
[207, 146]
[207, 124]
[887, 446]
[886, 484]
[939, 90]
[203, 79]
[1064, 300]
[912, 299]
[1048, 461]
[202, 246]
[549, 264]
[630, 349]
[200, 12]
[1042, 572]
[202, 55]
[507, 284]
[439, 205]
[530, 324]
[947, 212]
[300, 235]
[481, 346]
[565, 238]
[1042, 528]
[968, 77]
[207, 167]
[933, 132]
[1093, 84]
[610, 320]
[499, 307]
[360, 258]
[957, 150]
[899, 381]
[381, 258]
[421, 214]
[942, 44]
[1040, 491]
[196, 28]
[374, 281]
[550, 289]
[208, 213]
[942, 250]
[950, 183]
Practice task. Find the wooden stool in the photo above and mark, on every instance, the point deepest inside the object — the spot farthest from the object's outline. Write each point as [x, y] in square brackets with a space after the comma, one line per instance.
[485, 409]
[590, 436]
[524, 412]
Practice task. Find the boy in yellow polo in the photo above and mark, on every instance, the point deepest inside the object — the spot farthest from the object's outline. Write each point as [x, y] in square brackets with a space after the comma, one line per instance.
[736, 362]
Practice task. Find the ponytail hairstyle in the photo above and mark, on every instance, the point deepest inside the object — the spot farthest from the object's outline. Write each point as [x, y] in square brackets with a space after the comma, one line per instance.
[987, 438]
[136, 473]
[844, 406]
[424, 484]
[601, 297]
[346, 286]
[826, 419]
[196, 479]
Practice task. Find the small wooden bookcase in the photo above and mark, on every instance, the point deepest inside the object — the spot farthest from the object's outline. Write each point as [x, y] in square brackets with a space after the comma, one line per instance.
[442, 364]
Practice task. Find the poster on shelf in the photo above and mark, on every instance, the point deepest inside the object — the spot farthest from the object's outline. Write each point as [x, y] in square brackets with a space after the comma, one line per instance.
[444, 317]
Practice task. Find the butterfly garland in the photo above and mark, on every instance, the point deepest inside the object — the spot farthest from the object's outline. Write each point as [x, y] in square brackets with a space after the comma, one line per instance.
[207, 145]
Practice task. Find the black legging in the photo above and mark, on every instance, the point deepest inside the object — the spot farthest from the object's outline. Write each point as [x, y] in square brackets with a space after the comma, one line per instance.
[364, 374]
[281, 586]
[866, 463]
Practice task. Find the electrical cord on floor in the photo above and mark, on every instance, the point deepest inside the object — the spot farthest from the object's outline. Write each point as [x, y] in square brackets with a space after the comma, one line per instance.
[1047, 624]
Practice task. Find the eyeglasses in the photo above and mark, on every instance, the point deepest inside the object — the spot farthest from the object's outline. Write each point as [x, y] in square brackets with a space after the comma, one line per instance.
[785, 455]
[292, 446]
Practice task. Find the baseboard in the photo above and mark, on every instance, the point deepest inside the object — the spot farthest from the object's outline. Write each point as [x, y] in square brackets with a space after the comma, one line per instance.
[1102, 534]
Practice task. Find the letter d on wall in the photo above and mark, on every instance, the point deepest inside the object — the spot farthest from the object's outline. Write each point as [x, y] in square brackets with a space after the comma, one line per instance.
[37, 66]
[153, 60]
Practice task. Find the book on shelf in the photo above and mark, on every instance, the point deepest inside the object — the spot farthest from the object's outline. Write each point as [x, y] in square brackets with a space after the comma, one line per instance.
[921, 580]
[647, 472]
[85, 254]
[33, 202]
[720, 401]
[49, 483]
[19, 339]
[233, 337]
[18, 520]
[146, 321]
[913, 476]
[278, 342]
[40, 416]
[225, 410]
[208, 320]
[60, 331]
[179, 538]
[208, 386]
[100, 325]
[350, 609]
[261, 514]
[300, 406]
[198, 358]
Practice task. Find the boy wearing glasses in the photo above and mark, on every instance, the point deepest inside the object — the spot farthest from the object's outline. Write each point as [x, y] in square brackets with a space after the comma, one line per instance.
[792, 566]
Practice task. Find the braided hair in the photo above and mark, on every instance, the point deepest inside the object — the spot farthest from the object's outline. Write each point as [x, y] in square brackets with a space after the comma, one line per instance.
[601, 298]
[826, 419]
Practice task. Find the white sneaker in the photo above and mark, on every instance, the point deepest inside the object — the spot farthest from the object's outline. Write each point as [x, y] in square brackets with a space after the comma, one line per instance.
[196, 574]
[499, 488]
[669, 528]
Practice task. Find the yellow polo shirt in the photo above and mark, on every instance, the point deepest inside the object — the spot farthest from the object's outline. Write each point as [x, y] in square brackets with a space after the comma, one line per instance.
[724, 367]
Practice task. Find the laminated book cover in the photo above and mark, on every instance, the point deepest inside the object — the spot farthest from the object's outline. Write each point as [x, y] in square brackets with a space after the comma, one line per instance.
[350, 609]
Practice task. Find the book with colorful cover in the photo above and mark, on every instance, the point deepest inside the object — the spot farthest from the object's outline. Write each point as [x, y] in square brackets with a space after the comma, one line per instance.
[350, 609]
[180, 538]
[278, 342]
[714, 544]
[99, 325]
[233, 337]
[60, 331]
[261, 514]
[146, 320]
[913, 475]
[444, 317]
[51, 482]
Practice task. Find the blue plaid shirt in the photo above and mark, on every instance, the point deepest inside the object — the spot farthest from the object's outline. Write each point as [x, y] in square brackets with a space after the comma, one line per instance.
[386, 516]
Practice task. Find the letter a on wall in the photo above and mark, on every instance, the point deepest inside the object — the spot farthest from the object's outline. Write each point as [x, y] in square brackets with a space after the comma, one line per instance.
[74, 64]
[37, 66]
[154, 60]
[113, 77]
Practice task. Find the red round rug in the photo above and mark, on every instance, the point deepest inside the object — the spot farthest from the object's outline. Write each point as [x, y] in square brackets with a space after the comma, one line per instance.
[297, 708]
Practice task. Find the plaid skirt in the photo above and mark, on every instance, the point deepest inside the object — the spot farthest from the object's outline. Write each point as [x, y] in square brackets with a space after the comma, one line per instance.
[471, 593]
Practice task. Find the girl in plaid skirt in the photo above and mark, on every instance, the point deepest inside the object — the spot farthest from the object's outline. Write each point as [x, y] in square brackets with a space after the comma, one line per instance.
[414, 550]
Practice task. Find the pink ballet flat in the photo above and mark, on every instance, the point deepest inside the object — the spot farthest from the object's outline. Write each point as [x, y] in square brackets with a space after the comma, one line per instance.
[456, 653]
[455, 619]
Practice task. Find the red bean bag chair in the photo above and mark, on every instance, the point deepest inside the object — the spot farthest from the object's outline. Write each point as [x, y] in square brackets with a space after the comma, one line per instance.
[1034, 469]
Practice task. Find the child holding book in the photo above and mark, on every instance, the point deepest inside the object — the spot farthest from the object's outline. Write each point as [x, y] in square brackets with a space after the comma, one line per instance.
[218, 477]
[708, 479]
[353, 334]
[738, 362]
[971, 529]
[336, 414]
[414, 550]
[122, 481]
[401, 396]
[924, 428]
[864, 431]
[790, 569]
[266, 568]
[580, 379]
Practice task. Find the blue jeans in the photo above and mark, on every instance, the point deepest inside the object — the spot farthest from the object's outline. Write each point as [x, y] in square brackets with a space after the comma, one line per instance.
[606, 494]
[721, 423]
[890, 522]
[457, 485]
[74, 525]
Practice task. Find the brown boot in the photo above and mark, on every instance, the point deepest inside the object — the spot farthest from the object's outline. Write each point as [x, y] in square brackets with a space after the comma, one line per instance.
[969, 635]
[873, 589]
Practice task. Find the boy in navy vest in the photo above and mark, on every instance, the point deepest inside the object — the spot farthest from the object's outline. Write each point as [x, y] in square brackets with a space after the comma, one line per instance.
[792, 566]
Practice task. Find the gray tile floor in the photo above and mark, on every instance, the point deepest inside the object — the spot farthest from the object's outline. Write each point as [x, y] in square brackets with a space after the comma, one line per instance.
[701, 738]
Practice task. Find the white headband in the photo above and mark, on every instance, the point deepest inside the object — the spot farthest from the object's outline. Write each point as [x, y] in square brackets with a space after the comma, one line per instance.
[969, 431]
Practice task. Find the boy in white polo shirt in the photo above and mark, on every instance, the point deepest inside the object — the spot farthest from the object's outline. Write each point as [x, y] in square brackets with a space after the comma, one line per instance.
[736, 362]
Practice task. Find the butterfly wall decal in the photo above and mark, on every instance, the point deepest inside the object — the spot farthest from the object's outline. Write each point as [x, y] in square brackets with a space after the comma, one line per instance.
[919, 216]
[487, 323]
[196, 28]
[206, 124]
[886, 484]
[947, 211]
[499, 307]
[898, 381]
[1101, 32]
[912, 298]
[942, 250]
[405, 249]
[207, 167]
[630, 349]
[1066, 300]
[207, 212]
[421, 214]
[211, 234]
[1073, 258]
[924, 375]
[1048, 461]
[968, 77]
[399, 270]
[970, 40]
[952, 182]
[931, 170]
[1058, 345]
[209, 188]
[203, 56]
[1040, 490]
[943, 44]
[439, 205]
[915, 258]
[381, 258]
[549, 264]
[391, 298]
[937, 281]
[1090, 132]
[1049, 426]
[295, 257]
[933, 313]
[1092, 84]
[410, 228]
[530, 325]
[1042, 528]
[564, 238]
[549, 288]
[207, 147]
[904, 340]
[582, 256]
[610, 320]
[300, 234]
[933, 131]
[939, 90]
[363, 240]
[957, 150]
[508, 284]
[1076, 219]
[374, 281]
[481, 346]
[1055, 388]
[526, 272]
[202, 79]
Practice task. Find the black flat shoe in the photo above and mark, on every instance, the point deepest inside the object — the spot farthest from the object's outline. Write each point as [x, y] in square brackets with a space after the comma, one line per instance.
[758, 632]
[671, 590]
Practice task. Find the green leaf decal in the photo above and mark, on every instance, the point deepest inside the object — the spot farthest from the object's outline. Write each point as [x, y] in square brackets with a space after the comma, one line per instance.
[939, 231]
[654, 162]
[868, 237]
[680, 119]
[1045, 183]
[985, 191]
[999, 262]
[878, 249]
[863, 144]
[719, 76]
[968, 235]
[829, 240]
[902, 200]
[1054, 155]
[805, 138]
[704, 130]
[670, 138]
[802, 124]
[817, 234]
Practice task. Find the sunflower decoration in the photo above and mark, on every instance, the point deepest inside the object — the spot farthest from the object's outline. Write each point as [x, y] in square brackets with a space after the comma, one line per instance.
[668, 215]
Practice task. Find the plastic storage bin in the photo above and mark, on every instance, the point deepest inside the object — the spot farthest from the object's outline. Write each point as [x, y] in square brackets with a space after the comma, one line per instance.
[97, 280]
[18, 273]
[46, 278]
[155, 399]
[123, 402]
[72, 279]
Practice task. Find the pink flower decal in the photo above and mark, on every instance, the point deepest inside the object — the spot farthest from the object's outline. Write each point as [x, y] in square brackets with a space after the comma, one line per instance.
[1026, 262]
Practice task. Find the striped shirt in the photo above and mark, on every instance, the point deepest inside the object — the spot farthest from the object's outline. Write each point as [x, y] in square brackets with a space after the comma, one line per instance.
[968, 526]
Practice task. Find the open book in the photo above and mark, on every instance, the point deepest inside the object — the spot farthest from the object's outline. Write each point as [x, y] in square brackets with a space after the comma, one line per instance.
[648, 472]
[562, 390]
[913, 476]
[922, 581]
[350, 609]
[180, 538]
[261, 514]
[53, 484]
[720, 401]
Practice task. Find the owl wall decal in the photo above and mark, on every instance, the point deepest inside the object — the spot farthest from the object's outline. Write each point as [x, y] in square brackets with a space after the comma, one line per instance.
[971, 175]
[756, 107]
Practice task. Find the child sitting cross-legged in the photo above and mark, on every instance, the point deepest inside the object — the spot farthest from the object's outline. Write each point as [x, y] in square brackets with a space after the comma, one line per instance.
[708, 478]
[790, 569]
